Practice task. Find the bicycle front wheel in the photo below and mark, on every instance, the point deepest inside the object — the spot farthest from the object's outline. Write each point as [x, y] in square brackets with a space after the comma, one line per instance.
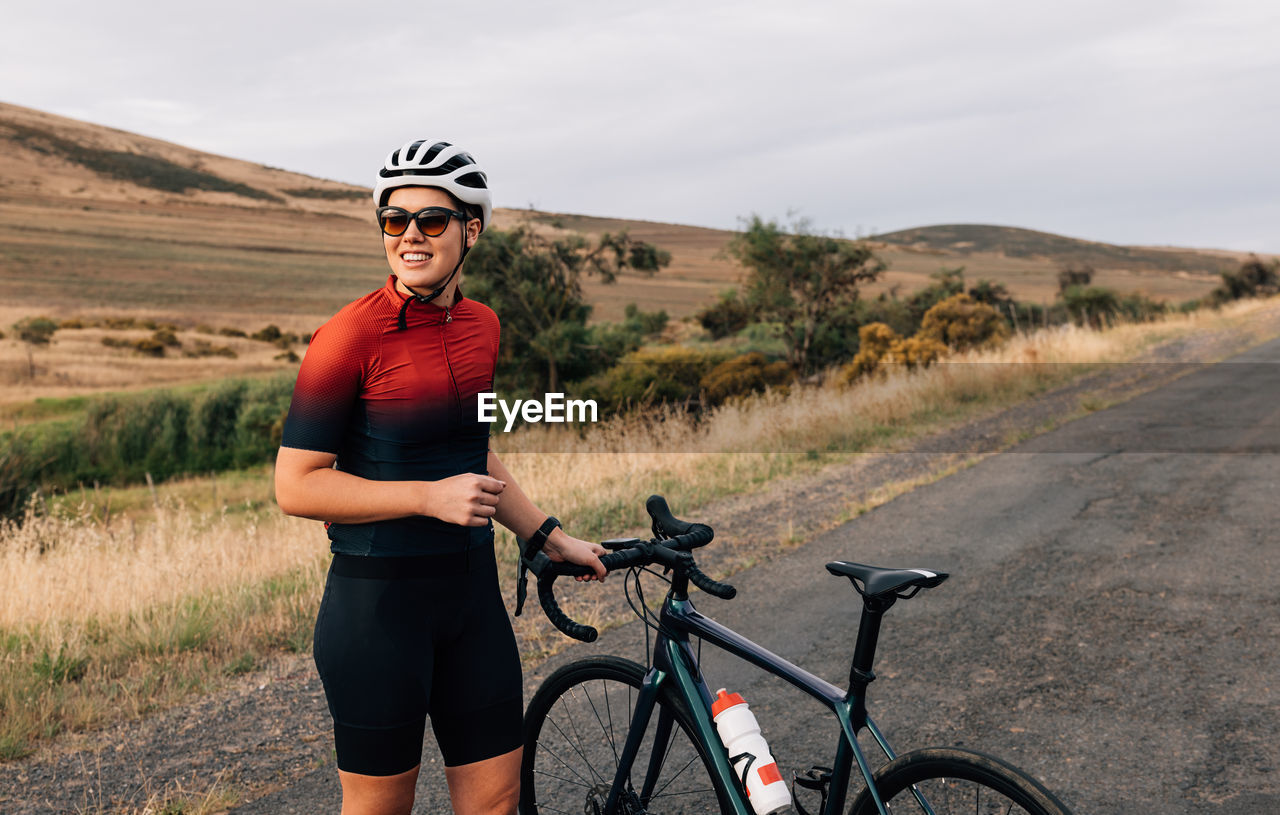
[956, 782]
[574, 732]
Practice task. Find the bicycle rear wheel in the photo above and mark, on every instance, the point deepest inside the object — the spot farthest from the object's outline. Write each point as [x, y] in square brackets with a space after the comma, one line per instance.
[575, 729]
[956, 782]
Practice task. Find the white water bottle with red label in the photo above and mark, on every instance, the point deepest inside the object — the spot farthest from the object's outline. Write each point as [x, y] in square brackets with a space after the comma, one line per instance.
[749, 754]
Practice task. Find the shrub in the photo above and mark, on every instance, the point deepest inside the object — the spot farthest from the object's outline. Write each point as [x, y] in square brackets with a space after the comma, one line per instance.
[1070, 276]
[1089, 305]
[202, 348]
[889, 310]
[727, 316]
[993, 294]
[1253, 279]
[73, 323]
[874, 341]
[167, 338]
[165, 433]
[149, 347]
[232, 332]
[1139, 308]
[959, 323]
[644, 323]
[915, 352]
[35, 330]
[946, 283]
[287, 356]
[651, 376]
[748, 373]
[269, 334]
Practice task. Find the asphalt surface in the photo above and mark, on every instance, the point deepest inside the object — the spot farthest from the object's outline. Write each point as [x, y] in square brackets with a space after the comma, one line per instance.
[1110, 625]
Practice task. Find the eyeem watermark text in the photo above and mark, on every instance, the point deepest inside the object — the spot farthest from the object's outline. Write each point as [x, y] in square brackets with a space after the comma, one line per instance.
[553, 408]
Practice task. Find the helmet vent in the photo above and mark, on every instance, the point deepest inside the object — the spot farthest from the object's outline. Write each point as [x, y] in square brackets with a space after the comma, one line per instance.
[413, 148]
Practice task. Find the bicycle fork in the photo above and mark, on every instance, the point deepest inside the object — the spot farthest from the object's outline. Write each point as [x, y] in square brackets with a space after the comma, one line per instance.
[689, 686]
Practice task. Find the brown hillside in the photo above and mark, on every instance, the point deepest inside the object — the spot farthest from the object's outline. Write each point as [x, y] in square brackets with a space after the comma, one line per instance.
[96, 221]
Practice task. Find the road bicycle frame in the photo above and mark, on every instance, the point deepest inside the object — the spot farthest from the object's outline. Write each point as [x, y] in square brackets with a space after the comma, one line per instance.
[674, 663]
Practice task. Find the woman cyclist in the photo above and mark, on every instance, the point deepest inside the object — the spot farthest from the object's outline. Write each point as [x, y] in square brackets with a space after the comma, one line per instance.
[383, 443]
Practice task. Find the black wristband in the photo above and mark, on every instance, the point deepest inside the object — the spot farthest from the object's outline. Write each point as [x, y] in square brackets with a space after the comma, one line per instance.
[539, 539]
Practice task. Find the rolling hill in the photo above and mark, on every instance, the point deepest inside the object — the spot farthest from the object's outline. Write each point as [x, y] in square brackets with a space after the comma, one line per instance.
[100, 222]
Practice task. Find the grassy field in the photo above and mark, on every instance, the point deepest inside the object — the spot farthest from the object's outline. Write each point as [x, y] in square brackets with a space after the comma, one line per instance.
[117, 602]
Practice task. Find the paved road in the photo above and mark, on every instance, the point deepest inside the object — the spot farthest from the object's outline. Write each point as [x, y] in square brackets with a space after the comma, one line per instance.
[1110, 626]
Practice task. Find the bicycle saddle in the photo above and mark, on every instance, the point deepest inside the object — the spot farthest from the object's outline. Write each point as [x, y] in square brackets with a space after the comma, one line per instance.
[873, 581]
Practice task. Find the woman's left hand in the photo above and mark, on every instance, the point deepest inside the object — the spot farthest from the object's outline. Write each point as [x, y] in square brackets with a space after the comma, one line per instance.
[562, 547]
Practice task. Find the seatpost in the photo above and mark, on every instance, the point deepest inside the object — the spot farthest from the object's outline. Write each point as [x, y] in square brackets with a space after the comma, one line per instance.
[864, 655]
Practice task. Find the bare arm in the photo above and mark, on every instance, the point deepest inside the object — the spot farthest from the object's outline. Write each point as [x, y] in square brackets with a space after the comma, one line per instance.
[516, 512]
[308, 486]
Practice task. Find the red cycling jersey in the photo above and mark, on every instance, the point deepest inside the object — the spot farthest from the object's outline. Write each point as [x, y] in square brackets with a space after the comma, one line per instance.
[398, 405]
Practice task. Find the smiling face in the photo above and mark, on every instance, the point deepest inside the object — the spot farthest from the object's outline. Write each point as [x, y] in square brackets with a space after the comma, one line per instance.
[421, 262]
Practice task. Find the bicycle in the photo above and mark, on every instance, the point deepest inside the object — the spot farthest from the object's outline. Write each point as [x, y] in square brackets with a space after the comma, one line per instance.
[589, 746]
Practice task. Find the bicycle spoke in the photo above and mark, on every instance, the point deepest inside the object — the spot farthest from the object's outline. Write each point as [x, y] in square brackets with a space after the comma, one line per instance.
[607, 730]
[544, 748]
[561, 778]
[580, 741]
[687, 765]
[598, 699]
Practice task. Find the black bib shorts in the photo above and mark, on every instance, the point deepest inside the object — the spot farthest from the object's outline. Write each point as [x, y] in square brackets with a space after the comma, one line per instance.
[399, 639]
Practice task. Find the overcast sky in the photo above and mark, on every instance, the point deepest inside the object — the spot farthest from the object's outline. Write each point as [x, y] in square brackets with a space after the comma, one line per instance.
[1140, 122]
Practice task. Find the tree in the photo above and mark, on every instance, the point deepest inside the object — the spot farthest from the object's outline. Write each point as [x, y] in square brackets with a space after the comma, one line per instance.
[534, 283]
[34, 331]
[799, 279]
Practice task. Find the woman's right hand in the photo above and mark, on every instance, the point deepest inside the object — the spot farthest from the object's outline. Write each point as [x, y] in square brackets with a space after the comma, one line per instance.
[469, 499]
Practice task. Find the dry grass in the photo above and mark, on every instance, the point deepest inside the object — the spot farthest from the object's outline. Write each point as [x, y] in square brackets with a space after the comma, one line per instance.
[101, 619]
[109, 614]
[76, 363]
[60, 569]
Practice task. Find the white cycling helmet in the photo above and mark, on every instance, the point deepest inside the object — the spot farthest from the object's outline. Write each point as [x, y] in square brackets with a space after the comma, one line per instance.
[435, 163]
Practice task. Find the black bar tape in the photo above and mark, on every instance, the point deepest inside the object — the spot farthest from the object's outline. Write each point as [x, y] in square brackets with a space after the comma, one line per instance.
[713, 587]
[561, 620]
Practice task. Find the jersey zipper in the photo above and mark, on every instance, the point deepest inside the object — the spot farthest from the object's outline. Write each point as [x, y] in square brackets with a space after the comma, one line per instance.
[448, 364]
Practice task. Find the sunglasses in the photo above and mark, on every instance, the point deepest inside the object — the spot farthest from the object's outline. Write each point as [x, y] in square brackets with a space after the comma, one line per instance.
[431, 221]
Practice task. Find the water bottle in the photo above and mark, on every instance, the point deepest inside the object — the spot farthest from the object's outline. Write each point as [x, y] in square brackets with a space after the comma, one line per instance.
[749, 754]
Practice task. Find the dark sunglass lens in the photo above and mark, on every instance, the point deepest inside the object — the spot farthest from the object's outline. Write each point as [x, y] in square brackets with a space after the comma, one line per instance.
[432, 224]
[394, 223]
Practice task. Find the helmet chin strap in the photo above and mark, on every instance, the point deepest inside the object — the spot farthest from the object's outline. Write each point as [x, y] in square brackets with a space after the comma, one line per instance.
[427, 298]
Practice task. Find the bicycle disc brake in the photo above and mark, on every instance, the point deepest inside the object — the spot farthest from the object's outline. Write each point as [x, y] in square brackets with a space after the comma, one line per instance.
[628, 802]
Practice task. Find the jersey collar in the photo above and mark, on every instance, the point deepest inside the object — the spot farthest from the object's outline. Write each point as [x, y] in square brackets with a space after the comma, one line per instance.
[428, 309]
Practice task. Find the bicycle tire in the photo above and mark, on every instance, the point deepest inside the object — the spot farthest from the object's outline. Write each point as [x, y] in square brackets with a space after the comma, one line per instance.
[957, 781]
[574, 731]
